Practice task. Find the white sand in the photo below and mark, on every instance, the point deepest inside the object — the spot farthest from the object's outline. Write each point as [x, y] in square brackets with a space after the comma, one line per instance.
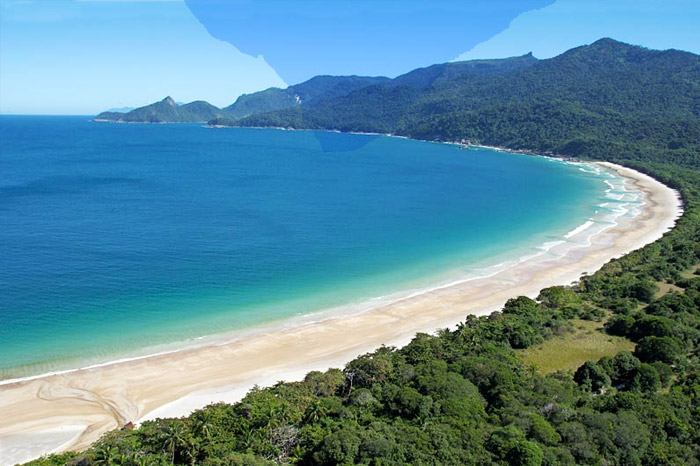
[73, 409]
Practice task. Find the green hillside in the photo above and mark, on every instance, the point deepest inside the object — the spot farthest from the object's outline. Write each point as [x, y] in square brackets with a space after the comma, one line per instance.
[165, 111]
[607, 99]
[304, 95]
[380, 107]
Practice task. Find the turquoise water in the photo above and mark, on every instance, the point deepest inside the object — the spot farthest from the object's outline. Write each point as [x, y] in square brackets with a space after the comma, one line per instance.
[118, 238]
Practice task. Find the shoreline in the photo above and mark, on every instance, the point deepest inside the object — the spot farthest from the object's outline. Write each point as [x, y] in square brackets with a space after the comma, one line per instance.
[484, 268]
[454, 276]
[106, 396]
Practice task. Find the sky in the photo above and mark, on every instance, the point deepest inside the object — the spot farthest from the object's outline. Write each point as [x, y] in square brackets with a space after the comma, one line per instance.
[72, 57]
[305, 38]
[86, 56]
[657, 24]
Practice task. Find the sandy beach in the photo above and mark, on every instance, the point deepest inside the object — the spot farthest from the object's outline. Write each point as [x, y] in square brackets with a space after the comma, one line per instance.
[73, 409]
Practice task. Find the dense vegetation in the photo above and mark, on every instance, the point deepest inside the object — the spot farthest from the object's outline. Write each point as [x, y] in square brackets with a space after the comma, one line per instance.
[165, 111]
[376, 106]
[300, 95]
[592, 101]
[464, 396]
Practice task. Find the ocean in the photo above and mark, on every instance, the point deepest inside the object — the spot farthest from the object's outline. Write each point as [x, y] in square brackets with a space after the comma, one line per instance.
[119, 240]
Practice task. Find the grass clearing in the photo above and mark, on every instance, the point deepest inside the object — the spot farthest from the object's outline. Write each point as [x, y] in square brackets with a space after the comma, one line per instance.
[567, 352]
[690, 273]
[667, 288]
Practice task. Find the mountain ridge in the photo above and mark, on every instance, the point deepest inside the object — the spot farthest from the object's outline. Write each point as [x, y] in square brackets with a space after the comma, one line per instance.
[165, 111]
[589, 101]
[307, 94]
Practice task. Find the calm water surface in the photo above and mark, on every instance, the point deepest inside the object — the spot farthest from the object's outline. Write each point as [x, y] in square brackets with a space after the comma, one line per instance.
[114, 237]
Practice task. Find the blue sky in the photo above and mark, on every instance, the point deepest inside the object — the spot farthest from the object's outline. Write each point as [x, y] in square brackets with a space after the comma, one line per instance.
[304, 38]
[658, 24]
[84, 56]
[71, 57]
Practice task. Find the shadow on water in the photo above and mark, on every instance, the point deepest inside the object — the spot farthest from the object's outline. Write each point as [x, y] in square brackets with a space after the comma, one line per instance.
[342, 142]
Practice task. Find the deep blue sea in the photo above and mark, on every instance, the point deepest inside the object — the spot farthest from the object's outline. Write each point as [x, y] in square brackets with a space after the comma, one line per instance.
[116, 238]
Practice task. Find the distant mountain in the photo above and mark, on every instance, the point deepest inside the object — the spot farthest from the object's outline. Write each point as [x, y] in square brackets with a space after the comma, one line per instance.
[305, 94]
[379, 107]
[324, 88]
[446, 72]
[165, 111]
[199, 110]
[589, 101]
[316, 91]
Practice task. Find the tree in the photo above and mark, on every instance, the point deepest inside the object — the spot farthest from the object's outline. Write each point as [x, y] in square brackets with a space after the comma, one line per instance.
[371, 368]
[174, 436]
[643, 290]
[522, 305]
[591, 377]
[203, 424]
[503, 441]
[620, 325]
[105, 456]
[652, 349]
[341, 447]
[556, 297]
[519, 334]
[525, 453]
[315, 412]
[542, 431]
[647, 326]
[621, 367]
[646, 379]
[664, 371]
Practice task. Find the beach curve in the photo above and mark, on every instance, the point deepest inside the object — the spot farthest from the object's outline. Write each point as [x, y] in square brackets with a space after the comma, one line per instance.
[91, 401]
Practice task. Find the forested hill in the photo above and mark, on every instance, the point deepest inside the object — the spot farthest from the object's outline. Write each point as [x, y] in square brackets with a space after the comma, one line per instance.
[591, 101]
[320, 89]
[308, 94]
[305, 94]
[301, 95]
[165, 111]
[378, 106]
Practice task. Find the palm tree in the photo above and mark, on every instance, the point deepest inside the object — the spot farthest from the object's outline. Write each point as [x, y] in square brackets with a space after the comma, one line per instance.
[191, 449]
[134, 459]
[174, 437]
[315, 412]
[296, 455]
[203, 425]
[105, 456]
[467, 333]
